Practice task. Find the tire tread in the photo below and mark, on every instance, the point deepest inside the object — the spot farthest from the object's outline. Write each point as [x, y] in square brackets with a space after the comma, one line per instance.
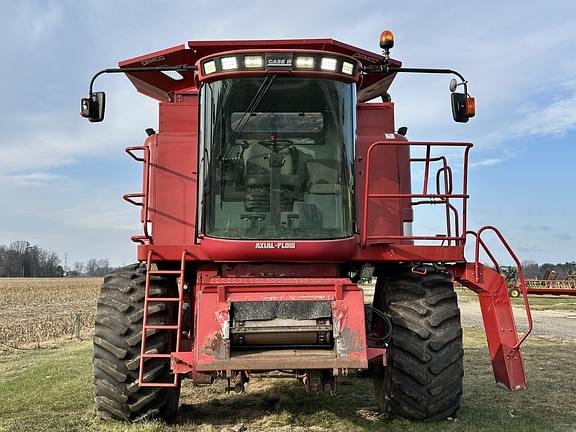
[423, 379]
[117, 342]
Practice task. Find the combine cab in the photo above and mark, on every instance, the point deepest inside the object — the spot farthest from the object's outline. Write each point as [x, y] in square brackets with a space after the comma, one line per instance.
[269, 190]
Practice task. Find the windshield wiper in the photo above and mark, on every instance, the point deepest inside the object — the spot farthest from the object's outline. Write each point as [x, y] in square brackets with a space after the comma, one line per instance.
[260, 93]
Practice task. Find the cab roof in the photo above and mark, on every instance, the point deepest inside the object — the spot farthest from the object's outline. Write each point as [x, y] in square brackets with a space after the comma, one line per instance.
[162, 86]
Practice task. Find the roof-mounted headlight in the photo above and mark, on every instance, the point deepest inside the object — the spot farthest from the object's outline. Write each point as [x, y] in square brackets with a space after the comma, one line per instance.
[253, 62]
[229, 63]
[328, 64]
[209, 67]
[304, 62]
[347, 68]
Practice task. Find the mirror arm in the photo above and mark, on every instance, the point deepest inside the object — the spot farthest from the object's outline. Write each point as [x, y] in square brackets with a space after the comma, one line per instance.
[177, 68]
[391, 69]
[386, 68]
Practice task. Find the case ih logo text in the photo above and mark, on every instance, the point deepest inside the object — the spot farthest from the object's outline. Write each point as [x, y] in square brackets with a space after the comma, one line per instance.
[280, 61]
[275, 245]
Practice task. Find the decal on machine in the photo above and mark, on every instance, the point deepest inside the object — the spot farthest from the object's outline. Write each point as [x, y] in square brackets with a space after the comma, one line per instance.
[275, 245]
[365, 57]
[152, 60]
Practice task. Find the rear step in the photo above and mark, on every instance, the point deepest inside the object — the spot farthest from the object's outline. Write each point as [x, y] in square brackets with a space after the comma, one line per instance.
[499, 324]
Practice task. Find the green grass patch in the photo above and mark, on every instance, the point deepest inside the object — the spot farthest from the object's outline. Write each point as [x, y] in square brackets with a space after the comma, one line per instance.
[52, 390]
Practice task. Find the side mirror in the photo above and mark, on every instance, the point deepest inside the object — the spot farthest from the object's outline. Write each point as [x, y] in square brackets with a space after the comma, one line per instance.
[93, 107]
[463, 107]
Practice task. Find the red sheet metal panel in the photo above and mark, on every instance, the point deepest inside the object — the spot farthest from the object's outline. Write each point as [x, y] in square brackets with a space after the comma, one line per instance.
[214, 295]
[158, 85]
[375, 121]
[174, 176]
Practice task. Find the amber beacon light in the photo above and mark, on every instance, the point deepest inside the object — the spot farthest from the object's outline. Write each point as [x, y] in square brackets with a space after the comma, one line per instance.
[386, 40]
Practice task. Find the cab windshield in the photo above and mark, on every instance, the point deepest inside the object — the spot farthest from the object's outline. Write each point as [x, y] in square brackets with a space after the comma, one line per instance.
[277, 158]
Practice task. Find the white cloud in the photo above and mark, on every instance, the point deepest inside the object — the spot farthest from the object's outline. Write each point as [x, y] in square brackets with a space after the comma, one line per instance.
[557, 118]
[487, 162]
[33, 179]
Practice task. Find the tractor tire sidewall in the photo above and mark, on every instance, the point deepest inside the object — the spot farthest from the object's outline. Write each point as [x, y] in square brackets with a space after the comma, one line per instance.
[117, 344]
[424, 372]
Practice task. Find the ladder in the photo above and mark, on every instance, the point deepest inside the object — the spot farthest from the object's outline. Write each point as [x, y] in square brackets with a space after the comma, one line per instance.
[143, 380]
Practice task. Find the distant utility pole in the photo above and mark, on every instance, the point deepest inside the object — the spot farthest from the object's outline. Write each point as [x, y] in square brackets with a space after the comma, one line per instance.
[66, 261]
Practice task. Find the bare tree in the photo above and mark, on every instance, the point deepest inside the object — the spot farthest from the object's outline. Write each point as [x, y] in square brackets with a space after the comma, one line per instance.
[21, 259]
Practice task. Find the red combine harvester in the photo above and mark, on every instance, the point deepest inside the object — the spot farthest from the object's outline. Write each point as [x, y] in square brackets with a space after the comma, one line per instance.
[269, 190]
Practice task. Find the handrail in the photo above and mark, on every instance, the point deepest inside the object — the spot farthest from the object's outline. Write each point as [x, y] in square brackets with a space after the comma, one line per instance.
[443, 197]
[485, 248]
[456, 221]
[145, 195]
[523, 289]
[448, 186]
[132, 149]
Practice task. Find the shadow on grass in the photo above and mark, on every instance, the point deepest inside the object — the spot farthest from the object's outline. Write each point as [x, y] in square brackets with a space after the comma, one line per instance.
[281, 402]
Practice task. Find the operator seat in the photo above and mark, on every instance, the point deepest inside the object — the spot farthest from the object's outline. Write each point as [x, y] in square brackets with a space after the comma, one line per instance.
[257, 177]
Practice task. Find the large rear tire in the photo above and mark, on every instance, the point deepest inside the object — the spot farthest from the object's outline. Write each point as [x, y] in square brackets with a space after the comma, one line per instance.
[423, 379]
[117, 342]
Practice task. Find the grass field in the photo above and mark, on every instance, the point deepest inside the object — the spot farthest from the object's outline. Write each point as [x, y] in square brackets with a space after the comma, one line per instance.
[51, 390]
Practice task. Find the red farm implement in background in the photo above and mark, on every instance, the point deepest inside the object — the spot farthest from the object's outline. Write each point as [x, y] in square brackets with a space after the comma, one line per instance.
[550, 284]
[270, 188]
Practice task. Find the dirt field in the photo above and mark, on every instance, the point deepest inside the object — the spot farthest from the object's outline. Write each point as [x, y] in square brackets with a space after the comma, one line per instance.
[559, 324]
[35, 311]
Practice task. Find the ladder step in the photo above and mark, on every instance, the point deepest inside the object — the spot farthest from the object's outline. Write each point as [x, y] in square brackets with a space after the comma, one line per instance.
[161, 327]
[159, 385]
[165, 272]
[163, 299]
[157, 355]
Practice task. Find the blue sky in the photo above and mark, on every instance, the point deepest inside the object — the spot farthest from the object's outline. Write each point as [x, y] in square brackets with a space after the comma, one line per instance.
[61, 178]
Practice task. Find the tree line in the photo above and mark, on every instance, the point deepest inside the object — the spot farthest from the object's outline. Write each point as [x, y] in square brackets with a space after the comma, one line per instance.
[533, 270]
[22, 259]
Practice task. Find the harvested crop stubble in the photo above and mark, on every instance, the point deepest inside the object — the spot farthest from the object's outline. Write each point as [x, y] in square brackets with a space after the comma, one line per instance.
[36, 310]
